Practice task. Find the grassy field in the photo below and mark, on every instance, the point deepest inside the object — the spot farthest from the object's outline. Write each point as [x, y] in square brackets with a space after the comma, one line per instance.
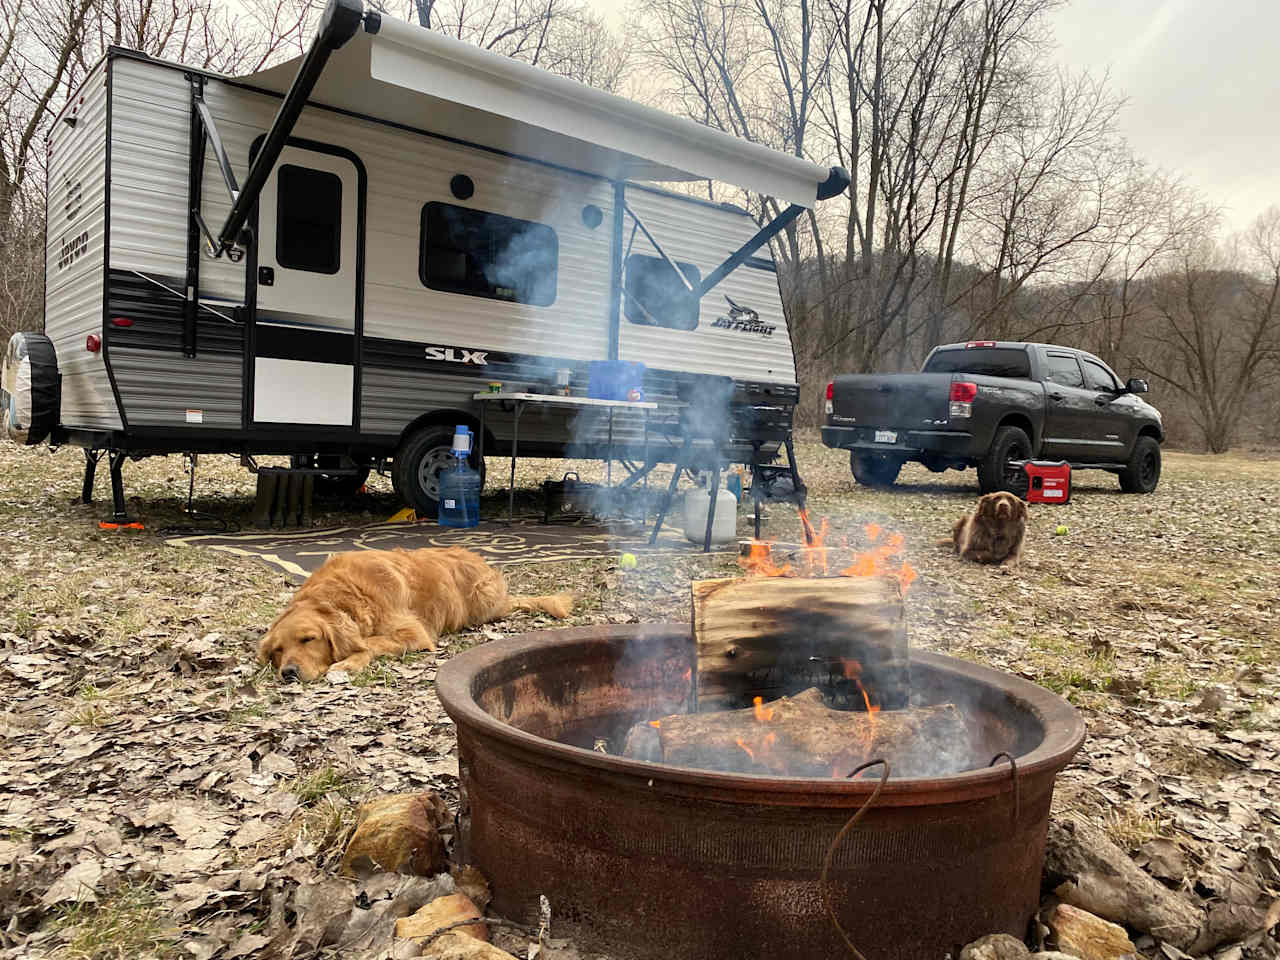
[155, 784]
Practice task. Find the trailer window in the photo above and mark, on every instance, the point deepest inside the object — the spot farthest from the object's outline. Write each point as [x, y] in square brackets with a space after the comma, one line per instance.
[984, 362]
[487, 255]
[1060, 368]
[309, 219]
[655, 295]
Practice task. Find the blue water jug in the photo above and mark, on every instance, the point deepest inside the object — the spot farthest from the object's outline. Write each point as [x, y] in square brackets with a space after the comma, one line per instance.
[460, 486]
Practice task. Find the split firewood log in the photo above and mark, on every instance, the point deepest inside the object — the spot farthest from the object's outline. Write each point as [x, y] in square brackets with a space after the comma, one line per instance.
[774, 636]
[801, 736]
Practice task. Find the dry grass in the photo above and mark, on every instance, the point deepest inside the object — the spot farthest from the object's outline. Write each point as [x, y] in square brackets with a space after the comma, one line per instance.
[129, 924]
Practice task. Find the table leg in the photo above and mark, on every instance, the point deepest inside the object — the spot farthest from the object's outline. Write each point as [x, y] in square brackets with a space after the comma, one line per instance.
[515, 451]
[608, 468]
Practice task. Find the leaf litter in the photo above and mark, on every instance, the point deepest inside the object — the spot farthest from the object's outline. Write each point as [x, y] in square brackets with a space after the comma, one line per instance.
[150, 770]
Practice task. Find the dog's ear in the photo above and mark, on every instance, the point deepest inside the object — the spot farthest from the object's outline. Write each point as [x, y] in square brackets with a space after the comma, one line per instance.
[342, 632]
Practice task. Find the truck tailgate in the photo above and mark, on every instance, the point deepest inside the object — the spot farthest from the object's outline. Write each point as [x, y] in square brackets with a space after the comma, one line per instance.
[904, 401]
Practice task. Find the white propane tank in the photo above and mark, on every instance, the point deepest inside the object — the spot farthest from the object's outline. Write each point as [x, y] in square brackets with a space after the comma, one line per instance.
[725, 526]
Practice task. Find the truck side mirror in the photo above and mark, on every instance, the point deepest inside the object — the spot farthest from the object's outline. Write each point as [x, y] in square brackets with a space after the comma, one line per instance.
[1136, 385]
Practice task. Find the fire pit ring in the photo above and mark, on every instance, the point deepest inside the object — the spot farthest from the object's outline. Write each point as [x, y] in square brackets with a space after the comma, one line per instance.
[646, 860]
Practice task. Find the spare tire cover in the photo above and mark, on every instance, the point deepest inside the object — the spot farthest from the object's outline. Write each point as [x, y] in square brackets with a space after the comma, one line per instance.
[29, 388]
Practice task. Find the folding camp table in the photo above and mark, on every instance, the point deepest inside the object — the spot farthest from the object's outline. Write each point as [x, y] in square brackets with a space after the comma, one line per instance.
[519, 400]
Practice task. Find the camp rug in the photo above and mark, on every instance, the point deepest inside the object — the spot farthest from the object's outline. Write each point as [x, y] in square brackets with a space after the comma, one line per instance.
[300, 552]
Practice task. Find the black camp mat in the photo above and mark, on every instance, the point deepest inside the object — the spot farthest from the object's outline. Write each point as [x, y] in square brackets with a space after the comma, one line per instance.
[299, 552]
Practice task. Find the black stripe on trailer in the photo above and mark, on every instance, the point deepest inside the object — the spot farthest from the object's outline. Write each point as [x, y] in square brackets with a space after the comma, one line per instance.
[287, 342]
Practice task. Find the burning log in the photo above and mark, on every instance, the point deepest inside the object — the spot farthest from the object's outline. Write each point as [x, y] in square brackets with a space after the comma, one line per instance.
[801, 736]
[772, 636]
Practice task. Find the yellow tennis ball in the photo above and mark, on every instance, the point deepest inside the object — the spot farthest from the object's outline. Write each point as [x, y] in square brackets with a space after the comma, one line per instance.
[1061, 531]
[627, 561]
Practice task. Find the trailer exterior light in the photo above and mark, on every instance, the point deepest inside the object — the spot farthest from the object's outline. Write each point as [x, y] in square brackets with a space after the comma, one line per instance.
[121, 322]
[93, 343]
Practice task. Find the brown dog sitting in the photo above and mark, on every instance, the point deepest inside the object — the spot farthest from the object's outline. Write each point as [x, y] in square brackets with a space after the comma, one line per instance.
[993, 533]
[371, 603]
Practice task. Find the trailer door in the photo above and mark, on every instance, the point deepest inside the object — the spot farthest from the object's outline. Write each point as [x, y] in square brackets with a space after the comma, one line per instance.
[308, 274]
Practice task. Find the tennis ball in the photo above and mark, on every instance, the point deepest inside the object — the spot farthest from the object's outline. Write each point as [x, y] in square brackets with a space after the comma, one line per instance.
[627, 561]
[1061, 531]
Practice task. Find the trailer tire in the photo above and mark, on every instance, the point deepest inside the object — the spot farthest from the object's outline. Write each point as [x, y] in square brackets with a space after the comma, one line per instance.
[1009, 444]
[871, 470]
[1142, 473]
[30, 389]
[415, 472]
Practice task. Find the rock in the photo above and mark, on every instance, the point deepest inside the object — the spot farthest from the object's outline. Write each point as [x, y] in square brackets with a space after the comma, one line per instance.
[454, 947]
[440, 913]
[399, 833]
[1081, 934]
[1088, 871]
[995, 946]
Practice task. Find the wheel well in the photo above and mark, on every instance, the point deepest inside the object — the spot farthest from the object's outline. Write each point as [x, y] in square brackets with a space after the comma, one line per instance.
[1022, 423]
[1151, 430]
[446, 418]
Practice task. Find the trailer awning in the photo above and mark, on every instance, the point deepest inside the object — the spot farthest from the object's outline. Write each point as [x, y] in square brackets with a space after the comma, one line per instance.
[413, 76]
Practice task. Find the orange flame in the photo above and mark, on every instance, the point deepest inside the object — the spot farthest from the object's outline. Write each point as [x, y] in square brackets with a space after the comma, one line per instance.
[883, 559]
[763, 714]
[746, 749]
[759, 561]
[656, 724]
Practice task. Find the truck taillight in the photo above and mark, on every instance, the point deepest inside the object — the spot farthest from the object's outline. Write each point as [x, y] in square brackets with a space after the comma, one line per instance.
[962, 395]
[831, 394]
[980, 343]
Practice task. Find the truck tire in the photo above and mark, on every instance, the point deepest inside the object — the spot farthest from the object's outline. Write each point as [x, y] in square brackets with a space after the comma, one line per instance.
[415, 473]
[994, 473]
[1142, 473]
[334, 485]
[872, 470]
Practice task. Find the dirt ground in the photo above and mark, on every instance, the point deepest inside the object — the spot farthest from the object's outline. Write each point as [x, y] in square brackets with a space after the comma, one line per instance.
[160, 795]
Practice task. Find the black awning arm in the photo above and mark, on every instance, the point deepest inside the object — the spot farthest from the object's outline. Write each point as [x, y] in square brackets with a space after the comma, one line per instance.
[834, 185]
[339, 24]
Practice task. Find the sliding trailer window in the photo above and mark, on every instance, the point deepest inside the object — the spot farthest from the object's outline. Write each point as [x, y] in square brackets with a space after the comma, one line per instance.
[483, 254]
[657, 297]
[309, 220]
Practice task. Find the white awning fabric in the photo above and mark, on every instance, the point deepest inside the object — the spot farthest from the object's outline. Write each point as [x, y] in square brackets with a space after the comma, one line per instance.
[413, 76]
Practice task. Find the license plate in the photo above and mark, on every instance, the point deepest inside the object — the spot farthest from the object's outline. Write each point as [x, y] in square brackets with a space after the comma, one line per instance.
[886, 436]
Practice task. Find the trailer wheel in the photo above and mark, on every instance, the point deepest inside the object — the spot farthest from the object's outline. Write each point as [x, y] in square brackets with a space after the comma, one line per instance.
[422, 457]
[30, 389]
[334, 485]
[871, 470]
[1142, 473]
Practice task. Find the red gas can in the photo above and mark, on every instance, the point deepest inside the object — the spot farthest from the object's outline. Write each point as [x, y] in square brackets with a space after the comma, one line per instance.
[1049, 481]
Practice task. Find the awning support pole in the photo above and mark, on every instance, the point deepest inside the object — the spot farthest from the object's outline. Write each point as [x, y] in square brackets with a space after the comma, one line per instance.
[215, 141]
[657, 246]
[339, 24]
[195, 182]
[834, 185]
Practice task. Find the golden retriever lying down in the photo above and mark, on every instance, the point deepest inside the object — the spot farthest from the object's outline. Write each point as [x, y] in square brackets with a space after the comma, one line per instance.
[368, 603]
[994, 532]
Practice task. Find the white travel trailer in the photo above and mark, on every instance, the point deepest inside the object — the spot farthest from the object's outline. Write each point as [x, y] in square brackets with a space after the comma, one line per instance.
[328, 258]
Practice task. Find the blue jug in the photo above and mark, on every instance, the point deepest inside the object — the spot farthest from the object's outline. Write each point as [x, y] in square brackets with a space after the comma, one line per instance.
[460, 485]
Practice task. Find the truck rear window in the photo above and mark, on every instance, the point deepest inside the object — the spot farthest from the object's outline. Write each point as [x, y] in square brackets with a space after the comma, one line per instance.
[983, 361]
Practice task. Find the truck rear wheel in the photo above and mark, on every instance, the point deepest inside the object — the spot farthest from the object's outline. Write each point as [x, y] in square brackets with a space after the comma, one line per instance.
[872, 470]
[1009, 446]
[1142, 473]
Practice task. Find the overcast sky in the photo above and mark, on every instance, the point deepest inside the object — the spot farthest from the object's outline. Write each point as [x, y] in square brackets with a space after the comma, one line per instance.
[1202, 83]
[1202, 80]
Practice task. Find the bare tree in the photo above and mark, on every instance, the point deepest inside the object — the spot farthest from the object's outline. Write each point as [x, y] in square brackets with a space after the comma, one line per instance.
[1215, 335]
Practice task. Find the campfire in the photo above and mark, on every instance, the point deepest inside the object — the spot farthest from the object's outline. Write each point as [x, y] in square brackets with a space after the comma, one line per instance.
[686, 790]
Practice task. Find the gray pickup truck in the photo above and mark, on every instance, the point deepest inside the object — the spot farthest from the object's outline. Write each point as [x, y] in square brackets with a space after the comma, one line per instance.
[992, 405]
